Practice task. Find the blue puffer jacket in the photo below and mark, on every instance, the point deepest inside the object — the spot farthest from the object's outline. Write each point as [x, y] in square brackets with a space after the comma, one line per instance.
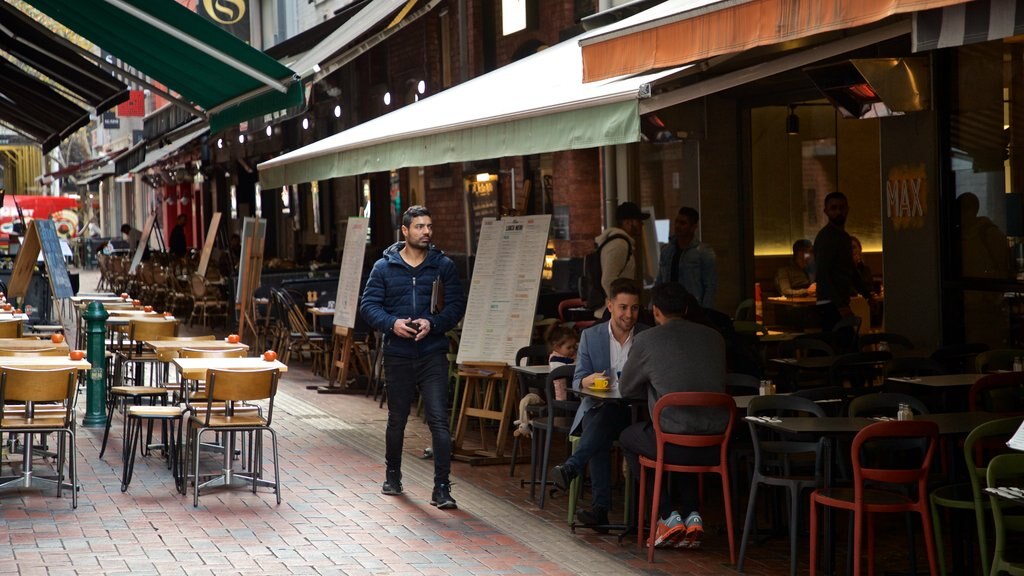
[396, 290]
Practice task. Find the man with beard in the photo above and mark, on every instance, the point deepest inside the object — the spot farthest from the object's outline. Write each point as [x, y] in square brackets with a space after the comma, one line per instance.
[602, 353]
[397, 301]
[833, 255]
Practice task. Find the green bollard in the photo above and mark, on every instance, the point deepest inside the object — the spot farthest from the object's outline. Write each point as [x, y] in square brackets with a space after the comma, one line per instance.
[96, 388]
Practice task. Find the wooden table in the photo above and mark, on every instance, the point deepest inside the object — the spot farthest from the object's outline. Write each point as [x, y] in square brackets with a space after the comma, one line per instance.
[196, 368]
[43, 362]
[104, 298]
[159, 346]
[31, 344]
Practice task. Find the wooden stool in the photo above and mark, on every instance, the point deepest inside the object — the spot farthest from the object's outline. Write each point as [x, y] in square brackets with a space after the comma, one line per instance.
[168, 415]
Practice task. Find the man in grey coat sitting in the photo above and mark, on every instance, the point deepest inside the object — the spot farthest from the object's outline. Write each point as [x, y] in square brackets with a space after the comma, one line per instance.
[675, 356]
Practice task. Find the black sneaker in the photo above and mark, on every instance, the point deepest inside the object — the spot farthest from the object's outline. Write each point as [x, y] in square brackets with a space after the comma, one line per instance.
[442, 497]
[392, 483]
[593, 518]
[563, 477]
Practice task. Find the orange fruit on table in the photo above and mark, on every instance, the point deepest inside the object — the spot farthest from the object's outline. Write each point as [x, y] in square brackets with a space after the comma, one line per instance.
[147, 309]
[56, 338]
[270, 355]
[77, 355]
[234, 338]
[124, 295]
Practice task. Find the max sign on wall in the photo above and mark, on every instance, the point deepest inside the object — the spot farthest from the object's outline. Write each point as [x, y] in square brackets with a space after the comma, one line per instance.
[906, 197]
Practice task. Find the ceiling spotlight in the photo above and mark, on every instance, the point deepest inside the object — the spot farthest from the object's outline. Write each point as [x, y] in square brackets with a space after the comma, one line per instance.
[387, 98]
[241, 138]
[305, 123]
[220, 143]
[421, 87]
[337, 111]
[270, 130]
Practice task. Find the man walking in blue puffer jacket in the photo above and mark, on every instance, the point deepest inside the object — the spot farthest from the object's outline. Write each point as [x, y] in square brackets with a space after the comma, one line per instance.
[414, 297]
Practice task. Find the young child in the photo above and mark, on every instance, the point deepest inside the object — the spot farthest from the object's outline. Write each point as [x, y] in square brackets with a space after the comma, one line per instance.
[563, 342]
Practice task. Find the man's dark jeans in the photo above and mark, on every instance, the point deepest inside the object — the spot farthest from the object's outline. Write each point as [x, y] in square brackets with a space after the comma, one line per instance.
[602, 425]
[430, 375]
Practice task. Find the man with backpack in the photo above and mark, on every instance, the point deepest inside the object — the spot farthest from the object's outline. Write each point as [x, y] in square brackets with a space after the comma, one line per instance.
[613, 257]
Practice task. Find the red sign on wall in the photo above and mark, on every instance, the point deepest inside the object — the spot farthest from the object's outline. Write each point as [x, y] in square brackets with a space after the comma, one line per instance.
[134, 106]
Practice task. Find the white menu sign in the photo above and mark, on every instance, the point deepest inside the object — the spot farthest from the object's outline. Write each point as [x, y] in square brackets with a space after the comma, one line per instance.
[347, 300]
[503, 291]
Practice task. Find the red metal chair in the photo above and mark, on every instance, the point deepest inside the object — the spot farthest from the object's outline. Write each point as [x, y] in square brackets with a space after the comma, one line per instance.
[865, 500]
[1000, 393]
[706, 400]
[574, 303]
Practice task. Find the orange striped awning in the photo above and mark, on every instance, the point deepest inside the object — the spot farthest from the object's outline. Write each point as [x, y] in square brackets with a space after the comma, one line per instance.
[680, 32]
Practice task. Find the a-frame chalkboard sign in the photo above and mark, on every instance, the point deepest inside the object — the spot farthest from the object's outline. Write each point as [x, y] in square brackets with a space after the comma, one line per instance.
[40, 235]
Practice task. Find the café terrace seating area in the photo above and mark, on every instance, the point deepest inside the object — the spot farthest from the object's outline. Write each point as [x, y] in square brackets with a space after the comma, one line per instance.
[816, 426]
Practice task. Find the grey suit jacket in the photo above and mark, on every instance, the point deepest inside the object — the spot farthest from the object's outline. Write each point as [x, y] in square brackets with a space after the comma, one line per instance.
[593, 355]
[678, 356]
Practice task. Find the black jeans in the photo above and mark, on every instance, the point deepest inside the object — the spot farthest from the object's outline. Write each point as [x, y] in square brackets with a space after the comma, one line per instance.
[639, 439]
[601, 426]
[430, 375]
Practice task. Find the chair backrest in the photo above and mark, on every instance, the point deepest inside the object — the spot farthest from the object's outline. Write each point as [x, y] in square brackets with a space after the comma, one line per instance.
[992, 360]
[141, 330]
[737, 383]
[846, 334]
[860, 369]
[1000, 393]
[10, 329]
[694, 400]
[535, 355]
[909, 471]
[884, 404]
[569, 303]
[895, 341]
[24, 385]
[745, 311]
[1005, 470]
[559, 407]
[984, 443]
[802, 347]
[769, 448]
[231, 386]
[832, 399]
[239, 352]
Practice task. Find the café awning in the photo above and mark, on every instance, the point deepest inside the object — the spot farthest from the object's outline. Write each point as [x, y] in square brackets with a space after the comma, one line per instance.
[164, 151]
[76, 87]
[535, 105]
[970, 23]
[680, 32]
[202, 62]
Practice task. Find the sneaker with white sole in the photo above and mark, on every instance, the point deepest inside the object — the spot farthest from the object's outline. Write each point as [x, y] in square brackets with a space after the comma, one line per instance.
[669, 531]
[442, 497]
[694, 532]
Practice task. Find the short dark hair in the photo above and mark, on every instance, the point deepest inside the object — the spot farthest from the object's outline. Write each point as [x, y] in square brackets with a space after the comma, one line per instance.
[623, 286]
[670, 298]
[835, 196]
[690, 213]
[801, 245]
[414, 212]
[126, 228]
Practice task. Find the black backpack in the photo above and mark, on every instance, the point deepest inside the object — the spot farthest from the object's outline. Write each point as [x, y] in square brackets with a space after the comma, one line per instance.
[591, 290]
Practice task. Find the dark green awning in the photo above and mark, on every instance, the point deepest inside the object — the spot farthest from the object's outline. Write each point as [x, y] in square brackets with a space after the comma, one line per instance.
[226, 77]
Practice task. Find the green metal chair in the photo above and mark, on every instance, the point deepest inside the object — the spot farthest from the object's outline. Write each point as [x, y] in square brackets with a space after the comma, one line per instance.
[1005, 470]
[969, 496]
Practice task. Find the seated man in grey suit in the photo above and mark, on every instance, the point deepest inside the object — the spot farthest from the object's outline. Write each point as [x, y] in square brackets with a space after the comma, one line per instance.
[602, 352]
[678, 355]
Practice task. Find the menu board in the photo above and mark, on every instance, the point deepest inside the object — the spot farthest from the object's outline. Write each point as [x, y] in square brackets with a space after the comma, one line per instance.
[503, 291]
[347, 300]
[147, 229]
[53, 254]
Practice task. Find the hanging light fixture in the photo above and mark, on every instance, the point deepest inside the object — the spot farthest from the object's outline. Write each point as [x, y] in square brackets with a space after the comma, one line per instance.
[792, 121]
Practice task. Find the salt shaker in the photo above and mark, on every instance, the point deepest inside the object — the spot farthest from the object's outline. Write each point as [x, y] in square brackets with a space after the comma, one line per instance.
[1018, 365]
[905, 413]
[766, 388]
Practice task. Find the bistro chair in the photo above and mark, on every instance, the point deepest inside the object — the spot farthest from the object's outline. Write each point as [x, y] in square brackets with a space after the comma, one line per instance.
[1001, 393]
[884, 404]
[556, 418]
[859, 370]
[958, 358]
[39, 402]
[996, 360]
[688, 400]
[777, 462]
[227, 391]
[981, 445]
[884, 340]
[534, 355]
[865, 501]
[1005, 470]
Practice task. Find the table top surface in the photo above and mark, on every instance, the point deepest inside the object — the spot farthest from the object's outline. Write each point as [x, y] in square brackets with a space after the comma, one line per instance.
[134, 312]
[43, 362]
[10, 317]
[322, 311]
[175, 345]
[31, 344]
[793, 300]
[807, 362]
[939, 381]
[952, 423]
[192, 366]
[125, 320]
[95, 298]
[537, 370]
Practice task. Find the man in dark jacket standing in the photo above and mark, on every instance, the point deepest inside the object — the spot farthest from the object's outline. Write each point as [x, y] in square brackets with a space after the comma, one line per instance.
[398, 301]
[833, 255]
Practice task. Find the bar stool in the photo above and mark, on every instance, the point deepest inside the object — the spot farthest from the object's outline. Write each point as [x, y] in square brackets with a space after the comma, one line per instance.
[171, 417]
